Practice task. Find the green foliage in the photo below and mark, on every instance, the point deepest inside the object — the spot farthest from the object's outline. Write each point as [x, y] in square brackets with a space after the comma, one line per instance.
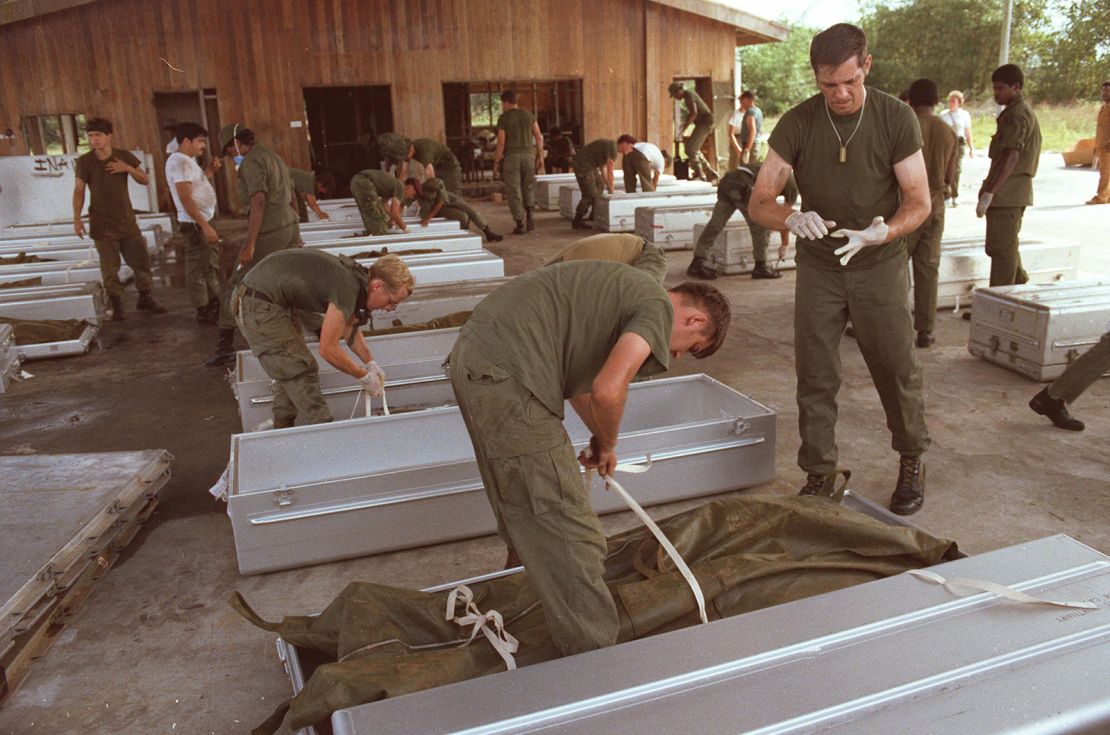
[1061, 124]
[1074, 63]
[779, 73]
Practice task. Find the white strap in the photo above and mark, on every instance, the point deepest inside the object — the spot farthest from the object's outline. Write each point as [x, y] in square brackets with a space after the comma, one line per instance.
[661, 537]
[219, 490]
[369, 406]
[502, 641]
[76, 264]
[994, 588]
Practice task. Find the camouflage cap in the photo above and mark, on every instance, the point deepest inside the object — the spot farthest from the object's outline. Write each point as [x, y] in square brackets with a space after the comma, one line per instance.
[227, 132]
[674, 87]
[432, 188]
[394, 146]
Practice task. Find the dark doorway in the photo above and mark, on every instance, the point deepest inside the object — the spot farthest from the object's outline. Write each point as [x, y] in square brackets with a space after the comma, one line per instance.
[199, 106]
[703, 87]
[343, 127]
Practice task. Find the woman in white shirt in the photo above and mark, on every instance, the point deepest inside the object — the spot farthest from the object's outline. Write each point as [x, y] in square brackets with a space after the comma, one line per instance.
[957, 118]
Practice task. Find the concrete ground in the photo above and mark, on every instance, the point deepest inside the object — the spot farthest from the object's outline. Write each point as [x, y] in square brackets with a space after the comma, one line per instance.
[158, 650]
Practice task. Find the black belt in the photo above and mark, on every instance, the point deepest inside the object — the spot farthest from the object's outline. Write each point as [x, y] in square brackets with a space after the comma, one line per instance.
[248, 291]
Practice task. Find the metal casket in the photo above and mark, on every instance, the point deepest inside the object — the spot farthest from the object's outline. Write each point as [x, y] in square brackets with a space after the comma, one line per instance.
[733, 253]
[965, 266]
[672, 226]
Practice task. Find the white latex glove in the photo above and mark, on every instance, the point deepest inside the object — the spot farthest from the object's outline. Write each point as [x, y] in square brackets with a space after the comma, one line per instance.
[374, 380]
[985, 200]
[875, 234]
[809, 225]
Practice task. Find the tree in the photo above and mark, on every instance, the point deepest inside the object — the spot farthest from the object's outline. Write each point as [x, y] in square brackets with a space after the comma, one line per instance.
[1073, 63]
[779, 73]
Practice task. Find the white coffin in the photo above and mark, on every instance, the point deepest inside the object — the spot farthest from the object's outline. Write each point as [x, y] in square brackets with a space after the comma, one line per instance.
[672, 226]
[14, 243]
[1038, 329]
[73, 271]
[9, 358]
[618, 213]
[390, 482]
[547, 186]
[732, 251]
[427, 304]
[422, 240]
[570, 195]
[451, 267]
[312, 232]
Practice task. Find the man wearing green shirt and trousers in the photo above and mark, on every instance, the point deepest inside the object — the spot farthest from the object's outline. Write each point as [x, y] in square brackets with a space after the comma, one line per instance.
[436, 201]
[519, 157]
[426, 152]
[1008, 189]
[304, 185]
[266, 193]
[698, 114]
[856, 155]
[378, 195]
[733, 193]
[593, 170]
[266, 304]
[578, 331]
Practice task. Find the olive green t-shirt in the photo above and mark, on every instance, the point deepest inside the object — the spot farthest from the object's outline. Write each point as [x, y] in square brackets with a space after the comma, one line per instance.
[110, 213]
[938, 145]
[435, 191]
[387, 185]
[431, 151]
[736, 186]
[304, 182]
[553, 328]
[517, 124]
[595, 154]
[310, 279]
[1017, 130]
[862, 188]
[262, 170]
[619, 247]
[695, 104]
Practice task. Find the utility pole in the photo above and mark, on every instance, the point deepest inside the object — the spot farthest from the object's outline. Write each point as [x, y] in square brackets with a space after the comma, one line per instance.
[1004, 54]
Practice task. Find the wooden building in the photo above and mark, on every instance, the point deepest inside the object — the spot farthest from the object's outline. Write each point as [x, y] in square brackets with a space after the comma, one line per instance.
[317, 79]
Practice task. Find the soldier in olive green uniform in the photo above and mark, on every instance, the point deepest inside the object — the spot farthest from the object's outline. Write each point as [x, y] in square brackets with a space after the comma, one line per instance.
[938, 147]
[698, 113]
[304, 185]
[593, 170]
[733, 193]
[856, 155]
[436, 201]
[581, 331]
[1008, 189]
[619, 247]
[112, 225]
[519, 157]
[426, 152]
[266, 193]
[266, 304]
[378, 195]
[1079, 376]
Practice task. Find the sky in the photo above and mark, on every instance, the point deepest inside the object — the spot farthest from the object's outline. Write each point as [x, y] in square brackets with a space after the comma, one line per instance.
[814, 13]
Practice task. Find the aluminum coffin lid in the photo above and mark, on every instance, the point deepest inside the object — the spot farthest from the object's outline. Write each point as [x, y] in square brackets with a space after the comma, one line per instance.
[422, 486]
[834, 663]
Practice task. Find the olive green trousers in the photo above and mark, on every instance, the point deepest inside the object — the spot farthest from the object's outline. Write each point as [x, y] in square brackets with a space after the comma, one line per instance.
[722, 213]
[1003, 227]
[133, 251]
[518, 173]
[1081, 374]
[202, 266]
[923, 249]
[636, 166]
[231, 272]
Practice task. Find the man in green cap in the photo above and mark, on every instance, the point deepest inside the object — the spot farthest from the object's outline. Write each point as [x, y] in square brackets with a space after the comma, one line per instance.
[306, 186]
[313, 281]
[733, 193]
[378, 195]
[436, 201]
[519, 157]
[1008, 189]
[266, 192]
[698, 115]
[856, 155]
[429, 153]
[579, 330]
[593, 170]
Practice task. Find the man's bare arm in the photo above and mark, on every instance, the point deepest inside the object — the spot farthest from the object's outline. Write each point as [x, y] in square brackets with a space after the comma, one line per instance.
[763, 207]
[78, 205]
[913, 180]
[749, 122]
[537, 135]
[499, 153]
[332, 330]
[608, 173]
[608, 394]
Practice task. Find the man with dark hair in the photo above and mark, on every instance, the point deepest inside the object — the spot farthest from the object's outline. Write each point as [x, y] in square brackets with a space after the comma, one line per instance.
[1008, 189]
[266, 192]
[112, 224]
[856, 155]
[593, 169]
[519, 157]
[745, 129]
[194, 197]
[437, 159]
[734, 193]
[560, 152]
[938, 147]
[580, 331]
[640, 161]
[698, 115]
[435, 201]
[378, 195]
[306, 186]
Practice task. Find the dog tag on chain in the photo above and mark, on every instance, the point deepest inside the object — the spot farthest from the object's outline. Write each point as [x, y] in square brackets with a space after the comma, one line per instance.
[843, 154]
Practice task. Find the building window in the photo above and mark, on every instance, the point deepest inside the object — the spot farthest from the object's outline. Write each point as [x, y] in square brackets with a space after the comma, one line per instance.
[54, 135]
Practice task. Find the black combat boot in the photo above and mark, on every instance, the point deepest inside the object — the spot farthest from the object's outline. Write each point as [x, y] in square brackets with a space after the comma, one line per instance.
[491, 236]
[213, 309]
[825, 485]
[519, 229]
[579, 224]
[925, 339]
[1056, 411]
[762, 270]
[699, 269]
[146, 302]
[117, 308]
[909, 493]
[225, 349]
[529, 220]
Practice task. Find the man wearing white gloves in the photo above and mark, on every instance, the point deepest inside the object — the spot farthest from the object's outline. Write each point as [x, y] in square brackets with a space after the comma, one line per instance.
[314, 281]
[855, 153]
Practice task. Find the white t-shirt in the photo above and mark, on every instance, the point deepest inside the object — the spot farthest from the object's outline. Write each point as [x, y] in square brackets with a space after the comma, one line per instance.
[959, 121]
[180, 167]
[653, 155]
[736, 120]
